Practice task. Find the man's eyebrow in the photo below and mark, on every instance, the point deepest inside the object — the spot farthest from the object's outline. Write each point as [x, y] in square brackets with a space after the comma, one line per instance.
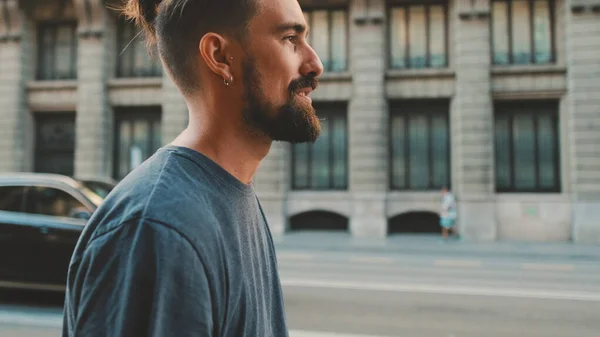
[297, 27]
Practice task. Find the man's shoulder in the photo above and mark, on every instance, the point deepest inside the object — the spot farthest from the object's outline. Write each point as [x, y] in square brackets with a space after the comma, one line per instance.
[163, 191]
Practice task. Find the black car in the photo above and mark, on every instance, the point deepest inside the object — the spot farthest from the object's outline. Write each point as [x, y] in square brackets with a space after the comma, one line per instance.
[41, 219]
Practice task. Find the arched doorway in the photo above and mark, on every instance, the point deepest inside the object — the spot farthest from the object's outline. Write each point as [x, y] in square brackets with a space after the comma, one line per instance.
[414, 222]
[318, 220]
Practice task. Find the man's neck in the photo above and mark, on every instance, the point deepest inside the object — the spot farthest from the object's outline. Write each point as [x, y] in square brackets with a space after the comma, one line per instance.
[234, 151]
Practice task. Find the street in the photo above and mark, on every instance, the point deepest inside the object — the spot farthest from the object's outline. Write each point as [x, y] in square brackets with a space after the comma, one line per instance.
[393, 294]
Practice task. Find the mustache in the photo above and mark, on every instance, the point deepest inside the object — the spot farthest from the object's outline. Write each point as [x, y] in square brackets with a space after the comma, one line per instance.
[303, 82]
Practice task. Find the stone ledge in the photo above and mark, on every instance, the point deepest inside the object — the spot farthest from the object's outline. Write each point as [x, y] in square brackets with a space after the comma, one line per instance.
[528, 69]
[52, 85]
[136, 82]
[419, 73]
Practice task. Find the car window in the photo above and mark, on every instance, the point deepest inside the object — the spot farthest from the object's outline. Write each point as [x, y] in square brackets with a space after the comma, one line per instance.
[55, 202]
[12, 198]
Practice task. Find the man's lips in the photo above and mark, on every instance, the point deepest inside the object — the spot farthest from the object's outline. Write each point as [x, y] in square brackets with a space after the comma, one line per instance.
[304, 94]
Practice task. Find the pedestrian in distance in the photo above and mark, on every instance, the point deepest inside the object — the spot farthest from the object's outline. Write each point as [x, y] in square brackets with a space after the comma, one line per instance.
[181, 246]
[448, 213]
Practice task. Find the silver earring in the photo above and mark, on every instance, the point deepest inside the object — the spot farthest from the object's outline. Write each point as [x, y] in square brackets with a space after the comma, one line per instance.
[228, 82]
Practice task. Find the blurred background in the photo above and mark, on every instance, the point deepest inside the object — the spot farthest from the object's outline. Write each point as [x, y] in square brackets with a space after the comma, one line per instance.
[496, 100]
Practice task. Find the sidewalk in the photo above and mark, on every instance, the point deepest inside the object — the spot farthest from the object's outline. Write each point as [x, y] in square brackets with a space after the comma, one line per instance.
[433, 245]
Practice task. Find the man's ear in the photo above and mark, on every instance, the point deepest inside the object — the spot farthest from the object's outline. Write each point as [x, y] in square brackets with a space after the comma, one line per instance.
[214, 50]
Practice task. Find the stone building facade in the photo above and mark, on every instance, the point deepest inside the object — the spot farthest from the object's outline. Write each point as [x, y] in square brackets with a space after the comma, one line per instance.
[496, 99]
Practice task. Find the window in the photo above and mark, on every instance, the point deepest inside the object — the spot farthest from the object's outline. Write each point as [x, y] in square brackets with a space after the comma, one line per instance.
[55, 143]
[137, 137]
[54, 202]
[527, 147]
[57, 51]
[133, 59]
[324, 164]
[12, 198]
[522, 31]
[419, 145]
[328, 37]
[418, 36]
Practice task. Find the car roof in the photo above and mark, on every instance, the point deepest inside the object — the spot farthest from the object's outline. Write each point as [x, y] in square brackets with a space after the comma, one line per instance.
[30, 177]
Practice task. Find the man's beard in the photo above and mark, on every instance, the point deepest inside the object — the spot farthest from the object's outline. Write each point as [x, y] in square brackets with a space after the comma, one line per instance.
[294, 122]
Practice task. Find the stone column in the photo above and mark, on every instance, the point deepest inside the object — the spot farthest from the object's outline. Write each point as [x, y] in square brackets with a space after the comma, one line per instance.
[15, 64]
[93, 133]
[368, 119]
[472, 120]
[583, 50]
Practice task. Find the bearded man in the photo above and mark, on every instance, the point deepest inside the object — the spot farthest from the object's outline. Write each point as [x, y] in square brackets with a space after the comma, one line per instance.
[181, 246]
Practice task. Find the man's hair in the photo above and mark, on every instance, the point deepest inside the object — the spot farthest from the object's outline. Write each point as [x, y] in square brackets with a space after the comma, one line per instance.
[176, 27]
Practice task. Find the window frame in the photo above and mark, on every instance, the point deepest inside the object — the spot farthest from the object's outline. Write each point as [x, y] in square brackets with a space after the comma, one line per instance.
[536, 106]
[509, 18]
[406, 5]
[441, 107]
[339, 109]
[149, 114]
[330, 10]
[54, 25]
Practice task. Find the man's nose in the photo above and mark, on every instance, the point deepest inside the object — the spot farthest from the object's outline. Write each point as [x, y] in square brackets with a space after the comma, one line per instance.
[312, 65]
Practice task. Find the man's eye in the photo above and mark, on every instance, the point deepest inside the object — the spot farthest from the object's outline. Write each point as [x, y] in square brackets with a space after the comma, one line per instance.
[291, 38]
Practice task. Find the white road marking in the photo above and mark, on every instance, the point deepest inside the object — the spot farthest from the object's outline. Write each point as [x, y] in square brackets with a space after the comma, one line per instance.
[446, 289]
[548, 267]
[458, 263]
[295, 256]
[303, 333]
[371, 259]
[37, 319]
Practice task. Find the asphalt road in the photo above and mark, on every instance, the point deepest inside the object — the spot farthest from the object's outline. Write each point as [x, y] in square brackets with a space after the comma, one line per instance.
[399, 295]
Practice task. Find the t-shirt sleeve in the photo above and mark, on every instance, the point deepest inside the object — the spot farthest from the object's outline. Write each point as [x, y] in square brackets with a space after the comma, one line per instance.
[142, 279]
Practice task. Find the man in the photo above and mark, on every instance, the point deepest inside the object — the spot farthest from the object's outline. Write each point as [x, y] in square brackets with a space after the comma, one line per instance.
[448, 212]
[181, 247]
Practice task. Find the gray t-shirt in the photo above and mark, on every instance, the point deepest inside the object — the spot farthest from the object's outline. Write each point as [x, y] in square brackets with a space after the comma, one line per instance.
[179, 248]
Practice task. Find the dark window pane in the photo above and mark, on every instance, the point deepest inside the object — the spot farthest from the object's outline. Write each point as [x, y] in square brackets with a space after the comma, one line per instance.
[320, 36]
[500, 32]
[398, 37]
[542, 32]
[125, 140]
[398, 152]
[320, 158]
[546, 151]
[524, 151]
[521, 32]
[441, 157]
[301, 165]
[437, 36]
[418, 138]
[338, 41]
[339, 152]
[12, 198]
[55, 143]
[502, 144]
[418, 37]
